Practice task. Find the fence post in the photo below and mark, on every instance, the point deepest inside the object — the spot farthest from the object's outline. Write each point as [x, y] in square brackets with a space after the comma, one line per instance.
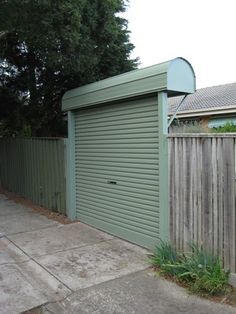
[163, 166]
[70, 168]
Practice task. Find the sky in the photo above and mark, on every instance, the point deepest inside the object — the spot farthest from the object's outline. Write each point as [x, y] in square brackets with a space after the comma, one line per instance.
[201, 31]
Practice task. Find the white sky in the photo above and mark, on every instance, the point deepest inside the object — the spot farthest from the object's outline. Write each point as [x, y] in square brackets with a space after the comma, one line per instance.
[202, 31]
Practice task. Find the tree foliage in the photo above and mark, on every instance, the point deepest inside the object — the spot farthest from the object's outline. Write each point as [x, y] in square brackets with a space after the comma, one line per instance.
[228, 127]
[48, 47]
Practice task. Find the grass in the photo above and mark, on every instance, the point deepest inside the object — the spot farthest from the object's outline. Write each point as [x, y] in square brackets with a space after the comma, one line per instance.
[201, 272]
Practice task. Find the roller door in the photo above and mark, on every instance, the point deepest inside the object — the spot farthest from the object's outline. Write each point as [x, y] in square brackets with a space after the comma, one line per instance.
[117, 169]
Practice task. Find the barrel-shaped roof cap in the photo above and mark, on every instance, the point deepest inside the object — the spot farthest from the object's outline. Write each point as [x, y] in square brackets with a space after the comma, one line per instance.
[176, 77]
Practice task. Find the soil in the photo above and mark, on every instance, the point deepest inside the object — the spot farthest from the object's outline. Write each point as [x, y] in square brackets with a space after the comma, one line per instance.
[61, 218]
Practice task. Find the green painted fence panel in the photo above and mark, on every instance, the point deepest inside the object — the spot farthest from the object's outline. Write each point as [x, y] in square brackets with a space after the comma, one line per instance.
[35, 169]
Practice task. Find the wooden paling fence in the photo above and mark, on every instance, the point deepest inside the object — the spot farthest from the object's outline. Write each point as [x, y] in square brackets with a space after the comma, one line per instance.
[202, 187]
[35, 169]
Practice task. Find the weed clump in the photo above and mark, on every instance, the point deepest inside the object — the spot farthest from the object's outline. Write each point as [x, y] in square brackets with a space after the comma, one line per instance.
[201, 272]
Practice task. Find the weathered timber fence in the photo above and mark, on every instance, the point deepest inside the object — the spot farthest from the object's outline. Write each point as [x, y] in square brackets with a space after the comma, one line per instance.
[202, 190]
[35, 169]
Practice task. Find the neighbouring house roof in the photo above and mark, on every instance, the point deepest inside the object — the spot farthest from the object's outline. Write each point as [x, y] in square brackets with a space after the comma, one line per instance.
[206, 101]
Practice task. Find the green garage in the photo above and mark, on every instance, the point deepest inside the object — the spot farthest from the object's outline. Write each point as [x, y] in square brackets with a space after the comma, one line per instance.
[117, 151]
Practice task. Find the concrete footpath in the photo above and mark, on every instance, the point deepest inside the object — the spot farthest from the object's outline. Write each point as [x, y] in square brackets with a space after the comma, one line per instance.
[47, 267]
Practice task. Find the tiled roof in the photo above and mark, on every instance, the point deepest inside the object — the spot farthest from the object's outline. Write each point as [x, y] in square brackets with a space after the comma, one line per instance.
[206, 99]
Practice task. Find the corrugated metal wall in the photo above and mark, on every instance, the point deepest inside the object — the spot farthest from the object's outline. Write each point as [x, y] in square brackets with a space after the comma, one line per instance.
[35, 169]
[117, 169]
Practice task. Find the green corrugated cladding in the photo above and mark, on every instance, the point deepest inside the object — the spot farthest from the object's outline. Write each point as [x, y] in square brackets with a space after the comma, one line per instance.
[117, 152]
[35, 168]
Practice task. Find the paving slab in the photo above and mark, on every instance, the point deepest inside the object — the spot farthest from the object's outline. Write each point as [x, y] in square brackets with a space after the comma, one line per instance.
[58, 238]
[137, 293]
[16, 223]
[3, 197]
[9, 253]
[8, 207]
[26, 285]
[86, 266]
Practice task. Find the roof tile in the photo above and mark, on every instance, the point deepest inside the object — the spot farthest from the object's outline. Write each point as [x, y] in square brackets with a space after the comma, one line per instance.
[206, 98]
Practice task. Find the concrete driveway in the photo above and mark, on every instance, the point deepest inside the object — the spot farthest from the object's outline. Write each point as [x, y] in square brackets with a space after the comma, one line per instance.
[42, 260]
[53, 268]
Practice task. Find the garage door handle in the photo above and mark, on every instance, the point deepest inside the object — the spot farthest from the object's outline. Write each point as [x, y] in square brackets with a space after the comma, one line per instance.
[111, 182]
